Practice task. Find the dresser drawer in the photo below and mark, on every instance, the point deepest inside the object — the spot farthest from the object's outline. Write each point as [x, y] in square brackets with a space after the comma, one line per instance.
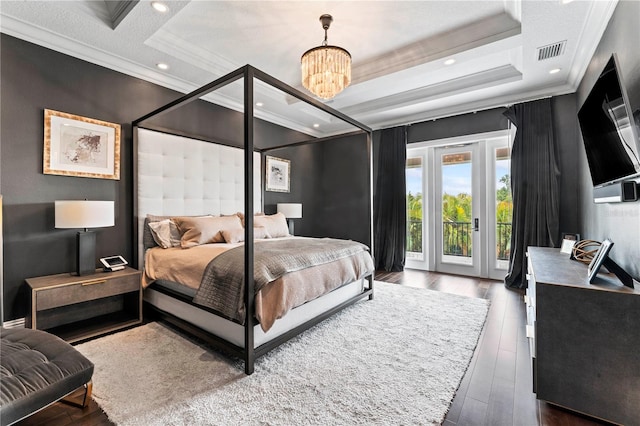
[83, 291]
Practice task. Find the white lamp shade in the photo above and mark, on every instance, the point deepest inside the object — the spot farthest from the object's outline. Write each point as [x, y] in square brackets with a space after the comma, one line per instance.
[84, 214]
[290, 210]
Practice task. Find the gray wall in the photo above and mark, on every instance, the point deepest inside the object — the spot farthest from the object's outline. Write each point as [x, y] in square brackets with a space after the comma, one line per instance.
[459, 125]
[331, 180]
[618, 221]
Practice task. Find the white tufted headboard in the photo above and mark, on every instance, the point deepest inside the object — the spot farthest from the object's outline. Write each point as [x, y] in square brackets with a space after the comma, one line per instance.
[183, 176]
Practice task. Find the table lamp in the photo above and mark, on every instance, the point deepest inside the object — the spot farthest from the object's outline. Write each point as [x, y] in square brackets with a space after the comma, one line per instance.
[290, 211]
[84, 214]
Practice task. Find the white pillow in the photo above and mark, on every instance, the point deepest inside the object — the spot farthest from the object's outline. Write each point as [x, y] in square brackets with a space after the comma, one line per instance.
[165, 233]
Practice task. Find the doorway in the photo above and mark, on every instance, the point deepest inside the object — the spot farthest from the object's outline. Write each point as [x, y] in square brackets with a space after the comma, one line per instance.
[459, 205]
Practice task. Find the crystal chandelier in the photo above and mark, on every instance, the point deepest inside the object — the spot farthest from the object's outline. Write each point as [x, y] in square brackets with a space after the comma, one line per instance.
[326, 70]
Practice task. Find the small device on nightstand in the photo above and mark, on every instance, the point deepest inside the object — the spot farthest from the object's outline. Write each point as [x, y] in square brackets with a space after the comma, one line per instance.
[113, 263]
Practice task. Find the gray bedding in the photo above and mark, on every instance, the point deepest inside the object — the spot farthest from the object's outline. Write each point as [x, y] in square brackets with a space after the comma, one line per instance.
[222, 286]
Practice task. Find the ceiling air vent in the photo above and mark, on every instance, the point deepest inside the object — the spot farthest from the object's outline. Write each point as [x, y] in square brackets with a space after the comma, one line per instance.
[551, 50]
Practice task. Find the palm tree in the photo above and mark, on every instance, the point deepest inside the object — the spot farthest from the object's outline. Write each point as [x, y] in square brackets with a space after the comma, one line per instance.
[456, 213]
[504, 214]
[414, 228]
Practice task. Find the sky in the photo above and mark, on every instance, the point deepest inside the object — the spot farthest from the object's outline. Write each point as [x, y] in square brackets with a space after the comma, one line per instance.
[455, 178]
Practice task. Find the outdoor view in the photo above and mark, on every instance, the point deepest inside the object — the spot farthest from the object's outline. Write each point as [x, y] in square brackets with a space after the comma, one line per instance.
[457, 217]
[504, 204]
[457, 230]
[414, 207]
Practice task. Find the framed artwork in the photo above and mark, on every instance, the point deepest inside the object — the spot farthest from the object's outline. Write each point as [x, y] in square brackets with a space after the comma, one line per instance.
[278, 174]
[80, 146]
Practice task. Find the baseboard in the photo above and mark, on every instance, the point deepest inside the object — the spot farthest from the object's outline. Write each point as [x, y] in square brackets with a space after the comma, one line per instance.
[16, 323]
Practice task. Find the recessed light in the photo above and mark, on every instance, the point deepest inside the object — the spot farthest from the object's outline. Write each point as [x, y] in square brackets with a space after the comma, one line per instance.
[566, 1]
[162, 66]
[316, 125]
[160, 7]
[259, 104]
[554, 71]
[450, 61]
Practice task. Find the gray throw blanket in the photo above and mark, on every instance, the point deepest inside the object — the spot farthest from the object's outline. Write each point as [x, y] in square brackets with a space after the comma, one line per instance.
[222, 286]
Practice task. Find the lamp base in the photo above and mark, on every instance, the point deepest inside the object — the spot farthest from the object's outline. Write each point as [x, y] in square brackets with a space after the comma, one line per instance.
[290, 227]
[86, 253]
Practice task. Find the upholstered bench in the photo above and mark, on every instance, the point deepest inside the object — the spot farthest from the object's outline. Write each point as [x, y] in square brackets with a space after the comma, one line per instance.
[36, 370]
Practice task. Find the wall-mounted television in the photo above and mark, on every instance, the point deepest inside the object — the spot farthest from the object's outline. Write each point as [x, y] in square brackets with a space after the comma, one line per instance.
[609, 131]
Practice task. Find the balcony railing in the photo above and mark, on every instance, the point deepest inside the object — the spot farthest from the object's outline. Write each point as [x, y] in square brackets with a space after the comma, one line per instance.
[457, 237]
[503, 240]
[414, 236]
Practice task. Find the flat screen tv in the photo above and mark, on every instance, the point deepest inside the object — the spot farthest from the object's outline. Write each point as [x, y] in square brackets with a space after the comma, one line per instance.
[608, 129]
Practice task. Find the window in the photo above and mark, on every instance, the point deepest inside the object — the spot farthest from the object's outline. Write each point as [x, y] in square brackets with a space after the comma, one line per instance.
[414, 176]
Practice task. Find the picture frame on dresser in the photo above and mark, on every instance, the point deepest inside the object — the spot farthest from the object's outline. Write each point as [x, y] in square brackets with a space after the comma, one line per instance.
[601, 259]
[598, 259]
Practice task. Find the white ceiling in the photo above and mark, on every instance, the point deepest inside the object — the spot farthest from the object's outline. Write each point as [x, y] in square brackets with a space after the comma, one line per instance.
[398, 49]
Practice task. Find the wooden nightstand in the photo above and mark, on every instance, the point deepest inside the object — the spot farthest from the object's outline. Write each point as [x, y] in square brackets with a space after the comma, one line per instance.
[80, 307]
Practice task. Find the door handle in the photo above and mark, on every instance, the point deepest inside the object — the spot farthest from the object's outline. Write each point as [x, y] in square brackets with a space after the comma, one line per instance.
[476, 224]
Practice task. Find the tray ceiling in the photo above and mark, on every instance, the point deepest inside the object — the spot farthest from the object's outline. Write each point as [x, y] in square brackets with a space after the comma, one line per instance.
[399, 50]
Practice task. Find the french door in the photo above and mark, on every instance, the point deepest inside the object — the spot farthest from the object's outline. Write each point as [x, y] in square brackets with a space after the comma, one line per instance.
[459, 206]
[458, 234]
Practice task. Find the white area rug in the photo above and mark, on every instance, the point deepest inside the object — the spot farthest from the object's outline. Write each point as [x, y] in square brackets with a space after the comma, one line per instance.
[397, 359]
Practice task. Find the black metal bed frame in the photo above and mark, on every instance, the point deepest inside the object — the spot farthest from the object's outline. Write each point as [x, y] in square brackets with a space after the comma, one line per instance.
[249, 73]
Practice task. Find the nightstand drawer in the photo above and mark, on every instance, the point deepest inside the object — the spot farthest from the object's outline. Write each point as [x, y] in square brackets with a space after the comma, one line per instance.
[83, 291]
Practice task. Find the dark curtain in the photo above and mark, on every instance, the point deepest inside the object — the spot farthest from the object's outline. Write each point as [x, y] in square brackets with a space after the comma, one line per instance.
[389, 201]
[534, 185]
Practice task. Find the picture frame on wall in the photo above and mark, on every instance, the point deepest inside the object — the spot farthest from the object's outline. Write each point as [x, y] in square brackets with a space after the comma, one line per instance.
[278, 172]
[80, 146]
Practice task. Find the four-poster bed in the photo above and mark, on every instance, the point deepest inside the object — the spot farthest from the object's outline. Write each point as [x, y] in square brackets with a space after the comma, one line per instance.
[187, 180]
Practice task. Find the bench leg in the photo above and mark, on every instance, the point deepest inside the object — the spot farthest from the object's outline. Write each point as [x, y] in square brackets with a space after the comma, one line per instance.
[86, 398]
[88, 387]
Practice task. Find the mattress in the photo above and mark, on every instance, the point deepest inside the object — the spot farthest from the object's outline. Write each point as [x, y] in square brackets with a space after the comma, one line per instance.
[184, 269]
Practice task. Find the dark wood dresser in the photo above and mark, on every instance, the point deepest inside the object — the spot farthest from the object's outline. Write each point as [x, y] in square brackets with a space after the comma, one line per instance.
[584, 338]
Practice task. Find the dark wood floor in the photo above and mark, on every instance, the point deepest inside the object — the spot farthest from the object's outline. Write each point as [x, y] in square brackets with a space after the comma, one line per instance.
[496, 389]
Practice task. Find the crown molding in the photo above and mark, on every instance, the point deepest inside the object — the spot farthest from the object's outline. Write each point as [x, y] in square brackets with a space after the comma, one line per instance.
[72, 47]
[589, 38]
[470, 107]
[479, 33]
[45, 38]
[480, 80]
[173, 45]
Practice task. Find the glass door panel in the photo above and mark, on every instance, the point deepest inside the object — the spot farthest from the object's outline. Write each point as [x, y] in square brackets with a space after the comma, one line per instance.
[414, 177]
[459, 206]
[458, 222]
[501, 210]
